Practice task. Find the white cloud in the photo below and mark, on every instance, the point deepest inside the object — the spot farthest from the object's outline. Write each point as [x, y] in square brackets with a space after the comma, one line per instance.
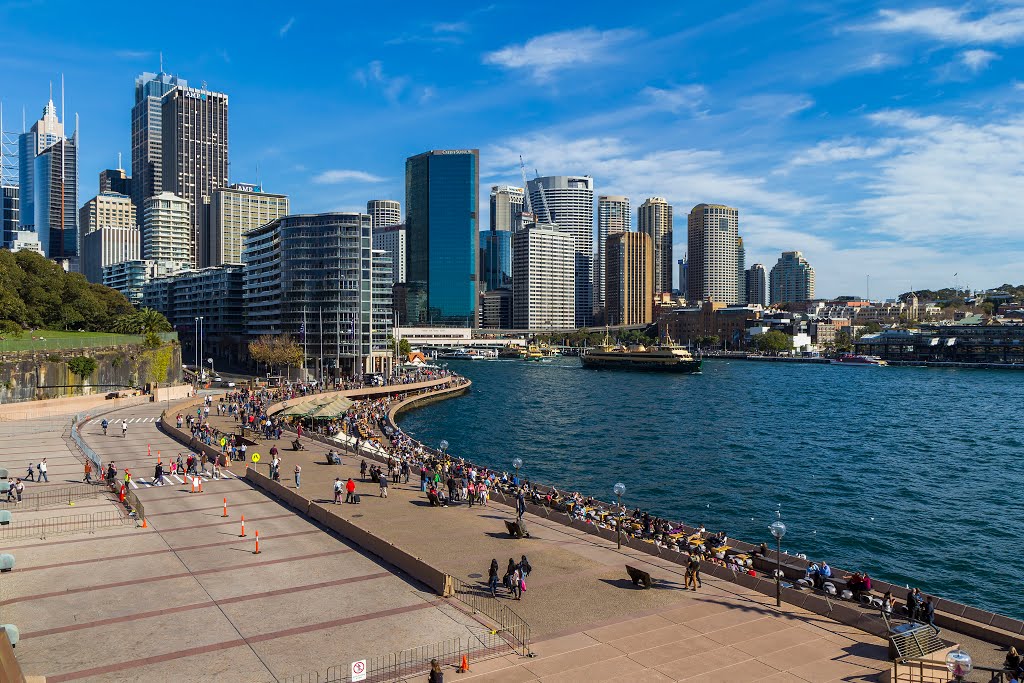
[133, 54]
[977, 60]
[335, 176]
[835, 151]
[283, 31]
[676, 99]
[543, 55]
[954, 25]
[373, 74]
[450, 27]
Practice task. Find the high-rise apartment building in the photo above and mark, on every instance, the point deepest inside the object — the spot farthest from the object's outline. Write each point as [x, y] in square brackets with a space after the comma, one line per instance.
[9, 210]
[194, 130]
[115, 180]
[442, 237]
[321, 272]
[107, 245]
[683, 268]
[384, 212]
[543, 278]
[167, 231]
[507, 207]
[568, 202]
[756, 281]
[741, 272]
[629, 277]
[234, 210]
[391, 239]
[791, 279]
[147, 134]
[496, 309]
[613, 217]
[654, 219]
[712, 233]
[497, 256]
[107, 209]
[130, 277]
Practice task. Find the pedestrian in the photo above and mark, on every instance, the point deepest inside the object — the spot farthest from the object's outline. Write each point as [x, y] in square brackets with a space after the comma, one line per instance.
[928, 613]
[31, 474]
[298, 474]
[11, 491]
[337, 490]
[492, 578]
[19, 489]
[521, 504]
[350, 491]
[383, 480]
[88, 471]
[158, 475]
[42, 471]
[471, 492]
[436, 674]
[692, 580]
[124, 428]
[111, 473]
[912, 605]
[524, 567]
[362, 470]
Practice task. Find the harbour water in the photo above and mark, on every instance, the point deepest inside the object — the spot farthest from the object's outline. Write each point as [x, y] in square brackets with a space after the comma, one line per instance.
[914, 475]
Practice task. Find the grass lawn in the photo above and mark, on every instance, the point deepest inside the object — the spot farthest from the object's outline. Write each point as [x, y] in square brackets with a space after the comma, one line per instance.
[44, 340]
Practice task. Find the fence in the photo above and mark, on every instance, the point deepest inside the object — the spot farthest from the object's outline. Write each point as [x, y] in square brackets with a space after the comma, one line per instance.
[135, 506]
[97, 463]
[70, 524]
[64, 496]
[399, 666]
[927, 670]
[480, 600]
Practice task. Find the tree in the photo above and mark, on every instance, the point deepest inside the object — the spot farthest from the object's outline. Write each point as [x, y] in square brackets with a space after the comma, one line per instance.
[772, 341]
[843, 343]
[146, 321]
[276, 351]
[83, 366]
[404, 347]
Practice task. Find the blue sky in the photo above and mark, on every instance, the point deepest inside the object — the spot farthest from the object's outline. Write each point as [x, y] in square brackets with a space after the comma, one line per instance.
[882, 139]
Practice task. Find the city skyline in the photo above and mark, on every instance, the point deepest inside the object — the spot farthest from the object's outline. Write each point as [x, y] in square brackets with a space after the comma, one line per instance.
[837, 160]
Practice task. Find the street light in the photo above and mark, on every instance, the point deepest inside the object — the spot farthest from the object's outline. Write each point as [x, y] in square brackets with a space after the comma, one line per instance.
[619, 490]
[443, 446]
[778, 530]
[959, 664]
[517, 462]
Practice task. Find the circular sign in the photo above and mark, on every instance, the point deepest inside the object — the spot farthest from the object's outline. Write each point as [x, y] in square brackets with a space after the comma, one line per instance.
[255, 457]
[358, 667]
[223, 441]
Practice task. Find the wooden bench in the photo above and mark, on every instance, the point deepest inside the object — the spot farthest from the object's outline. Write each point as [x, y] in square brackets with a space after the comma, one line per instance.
[639, 577]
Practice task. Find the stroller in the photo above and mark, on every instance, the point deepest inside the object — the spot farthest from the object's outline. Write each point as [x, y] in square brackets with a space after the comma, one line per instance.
[297, 445]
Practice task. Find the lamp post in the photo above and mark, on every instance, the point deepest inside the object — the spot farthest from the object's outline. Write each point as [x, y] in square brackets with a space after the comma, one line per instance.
[619, 490]
[778, 530]
[517, 462]
[444, 447]
[959, 664]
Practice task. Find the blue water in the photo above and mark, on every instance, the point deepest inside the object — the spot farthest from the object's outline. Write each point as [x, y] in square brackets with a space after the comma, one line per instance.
[912, 474]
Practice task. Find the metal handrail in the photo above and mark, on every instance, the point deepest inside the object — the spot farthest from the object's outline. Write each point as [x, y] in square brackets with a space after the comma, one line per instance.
[67, 495]
[69, 524]
[510, 623]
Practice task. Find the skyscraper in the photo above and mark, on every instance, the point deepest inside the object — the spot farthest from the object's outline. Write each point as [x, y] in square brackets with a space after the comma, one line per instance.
[115, 180]
[682, 277]
[442, 236]
[41, 135]
[543, 278]
[507, 208]
[392, 240]
[612, 218]
[115, 213]
[384, 212]
[234, 210]
[711, 253]
[741, 272]
[497, 253]
[147, 134]
[568, 202]
[654, 218]
[9, 209]
[166, 229]
[630, 276]
[194, 130]
[757, 290]
[791, 279]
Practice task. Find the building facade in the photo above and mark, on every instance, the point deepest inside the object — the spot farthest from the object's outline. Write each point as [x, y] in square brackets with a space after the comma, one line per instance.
[696, 324]
[107, 209]
[543, 278]
[147, 134]
[630, 277]
[654, 219]
[442, 237]
[391, 239]
[757, 284]
[791, 279]
[43, 134]
[683, 269]
[568, 202]
[234, 210]
[10, 207]
[507, 207]
[115, 180]
[55, 199]
[194, 129]
[613, 217]
[319, 273]
[167, 231]
[496, 309]
[384, 212]
[130, 277]
[107, 245]
[497, 257]
[741, 272]
[712, 238]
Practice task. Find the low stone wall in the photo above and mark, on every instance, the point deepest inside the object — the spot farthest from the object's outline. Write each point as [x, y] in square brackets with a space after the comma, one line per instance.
[53, 407]
[362, 392]
[425, 398]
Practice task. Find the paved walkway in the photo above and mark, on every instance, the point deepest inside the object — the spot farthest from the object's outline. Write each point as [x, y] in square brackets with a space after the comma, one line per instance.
[588, 621]
[186, 599]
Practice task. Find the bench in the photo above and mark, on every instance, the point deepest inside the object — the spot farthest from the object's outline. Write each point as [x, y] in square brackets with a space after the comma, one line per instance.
[639, 577]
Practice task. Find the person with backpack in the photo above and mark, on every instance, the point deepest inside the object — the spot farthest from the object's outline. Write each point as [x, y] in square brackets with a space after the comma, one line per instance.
[524, 567]
[106, 424]
[436, 674]
[42, 471]
[692, 579]
[337, 490]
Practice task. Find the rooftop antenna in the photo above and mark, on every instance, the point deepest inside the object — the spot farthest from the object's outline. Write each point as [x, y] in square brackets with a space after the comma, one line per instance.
[63, 120]
[258, 176]
[118, 161]
[161, 61]
[51, 91]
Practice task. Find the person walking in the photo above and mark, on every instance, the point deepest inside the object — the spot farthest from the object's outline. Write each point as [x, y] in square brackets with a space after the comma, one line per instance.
[298, 474]
[19, 489]
[88, 471]
[692, 580]
[106, 424]
[31, 474]
[383, 480]
[158, 475]
[338, 486]
[124, 429]
[436, 674]
[350, 491]
[524, 567]
[362, 470]
[928, 613]
[42, 471]
[521, 504]
[492, 578]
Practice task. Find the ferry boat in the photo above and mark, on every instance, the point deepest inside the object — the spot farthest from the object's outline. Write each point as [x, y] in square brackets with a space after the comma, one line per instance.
[854, 359]
[666, 358]
[512, 351]
[534, 353]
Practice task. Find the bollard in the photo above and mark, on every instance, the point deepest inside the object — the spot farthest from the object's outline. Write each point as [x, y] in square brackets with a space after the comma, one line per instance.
[257, 551]
[149, 449]
[242, 535]
[225, 508]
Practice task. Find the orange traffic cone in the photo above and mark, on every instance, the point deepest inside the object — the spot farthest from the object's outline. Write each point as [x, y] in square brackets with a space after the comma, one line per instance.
[242, 535]
[225, 508]
[121, 497]
[465, 665]
[144, 525]
[257, 551]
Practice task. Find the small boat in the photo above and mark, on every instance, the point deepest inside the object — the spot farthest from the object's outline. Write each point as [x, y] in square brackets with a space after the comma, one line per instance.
[858, 360]
[666, 358]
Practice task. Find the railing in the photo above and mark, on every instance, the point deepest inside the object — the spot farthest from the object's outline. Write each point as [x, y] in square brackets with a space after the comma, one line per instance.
[135, 507]
[935, 671]
[97, 462]
[70, 524]
[64, 496]
[480, 600]
[415, 662]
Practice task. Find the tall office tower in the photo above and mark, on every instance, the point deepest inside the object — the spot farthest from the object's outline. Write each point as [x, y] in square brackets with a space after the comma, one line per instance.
[147, 134]
[791, 279]
[497, 255]
[543, 278]
[55, 198]
[612, 218]
[235, 210]
[654, 219]
[105, 210]
[682, 277]
[741, 272]
[115, 180]
[194, 128]
[392, 240]
[307, 268]
[568, 202]
[629, 277]
[711, 253]
[43, 134]
[9, 207]
[757, 290]
[107, 245]
[507, 207]
[384, 212]
[442, 237]
[167, 231]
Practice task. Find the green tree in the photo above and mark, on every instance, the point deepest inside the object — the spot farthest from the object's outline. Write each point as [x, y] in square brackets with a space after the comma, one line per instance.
[843, 343]
[83, 366]
[404, 347]
[772, 341]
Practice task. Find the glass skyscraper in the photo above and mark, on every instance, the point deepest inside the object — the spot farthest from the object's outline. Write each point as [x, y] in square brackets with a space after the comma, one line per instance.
[497, 259]
[442, 236]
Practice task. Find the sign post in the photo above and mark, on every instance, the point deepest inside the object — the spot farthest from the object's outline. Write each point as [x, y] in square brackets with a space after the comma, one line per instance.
[358, 671]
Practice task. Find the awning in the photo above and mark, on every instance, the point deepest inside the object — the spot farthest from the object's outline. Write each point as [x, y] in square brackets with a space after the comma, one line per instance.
[333, 408]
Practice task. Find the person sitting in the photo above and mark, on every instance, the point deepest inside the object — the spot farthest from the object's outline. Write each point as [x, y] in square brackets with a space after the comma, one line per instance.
[333, 458]
[1013, 660]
